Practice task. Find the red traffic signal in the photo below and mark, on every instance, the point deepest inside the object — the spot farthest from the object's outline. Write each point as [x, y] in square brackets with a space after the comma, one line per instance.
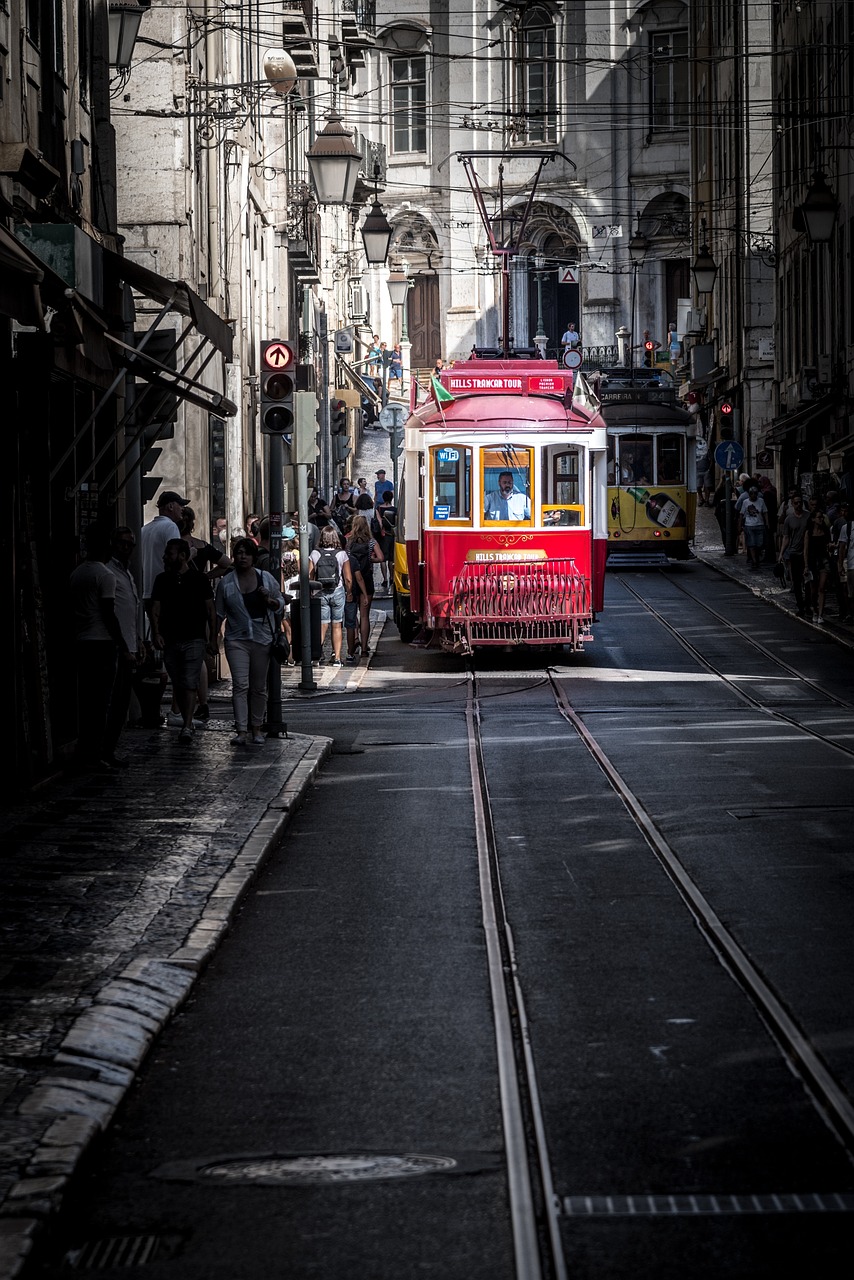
[649, 345]
[726, 408]
[277, 355]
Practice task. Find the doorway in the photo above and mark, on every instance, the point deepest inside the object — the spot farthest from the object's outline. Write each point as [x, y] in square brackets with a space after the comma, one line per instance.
[425, 327]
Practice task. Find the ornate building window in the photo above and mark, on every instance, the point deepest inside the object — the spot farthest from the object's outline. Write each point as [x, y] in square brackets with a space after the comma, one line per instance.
[409, 104]
[668, 62]
[536, 92]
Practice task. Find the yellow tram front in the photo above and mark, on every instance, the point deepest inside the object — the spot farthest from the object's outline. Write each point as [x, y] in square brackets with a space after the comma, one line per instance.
[652, 477]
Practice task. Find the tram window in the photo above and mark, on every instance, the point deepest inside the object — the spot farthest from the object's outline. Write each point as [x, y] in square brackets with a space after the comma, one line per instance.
[635, 459]
[451, 472]
[671, 460]
[563, 500]
[506, 476]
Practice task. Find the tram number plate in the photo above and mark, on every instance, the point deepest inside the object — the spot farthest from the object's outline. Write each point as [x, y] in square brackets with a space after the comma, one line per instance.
[441, 512]
[483, 556]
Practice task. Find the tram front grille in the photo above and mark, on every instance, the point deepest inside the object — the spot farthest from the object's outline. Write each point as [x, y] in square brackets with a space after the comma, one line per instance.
[522, 602]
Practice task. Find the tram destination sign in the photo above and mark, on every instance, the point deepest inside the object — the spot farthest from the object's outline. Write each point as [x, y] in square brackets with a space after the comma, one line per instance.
[508, 383]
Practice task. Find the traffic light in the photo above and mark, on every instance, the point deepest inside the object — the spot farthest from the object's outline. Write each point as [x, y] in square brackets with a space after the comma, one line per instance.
[726, 419]
[648, 353]
[278, 384]
[338, 418]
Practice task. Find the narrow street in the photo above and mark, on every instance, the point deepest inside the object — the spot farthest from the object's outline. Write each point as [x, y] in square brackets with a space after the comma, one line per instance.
[347, 1018]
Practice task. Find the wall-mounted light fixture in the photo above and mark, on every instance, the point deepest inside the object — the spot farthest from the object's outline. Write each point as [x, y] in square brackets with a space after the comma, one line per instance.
[704, 268]
[125, 17]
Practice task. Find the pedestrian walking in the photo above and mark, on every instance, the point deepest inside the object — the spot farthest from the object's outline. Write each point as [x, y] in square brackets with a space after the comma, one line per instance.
[375, 357]
[329, 567]
[99, 645]
[382, 486]
[365, 551]
[817, 559]
[752, 523]
[386, 514]
[793, 530]
[183, 625]
[571, 338]
[154, 536]
[249, 605]
[845, 561]
[395, 366]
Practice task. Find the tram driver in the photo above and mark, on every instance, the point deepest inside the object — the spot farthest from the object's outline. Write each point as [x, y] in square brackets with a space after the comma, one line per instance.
[507, 502]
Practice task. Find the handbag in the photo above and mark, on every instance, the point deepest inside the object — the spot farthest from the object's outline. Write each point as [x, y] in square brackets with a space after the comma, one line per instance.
[280, 649]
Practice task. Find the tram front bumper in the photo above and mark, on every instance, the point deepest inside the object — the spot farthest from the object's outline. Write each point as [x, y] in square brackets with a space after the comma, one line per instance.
[543, 603]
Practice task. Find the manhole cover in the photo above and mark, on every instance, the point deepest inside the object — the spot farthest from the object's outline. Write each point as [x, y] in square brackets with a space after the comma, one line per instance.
[314, 1169]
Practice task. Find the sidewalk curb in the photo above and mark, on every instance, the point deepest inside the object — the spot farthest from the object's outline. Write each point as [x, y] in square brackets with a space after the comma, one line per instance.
[828, 630]
[102, 1051]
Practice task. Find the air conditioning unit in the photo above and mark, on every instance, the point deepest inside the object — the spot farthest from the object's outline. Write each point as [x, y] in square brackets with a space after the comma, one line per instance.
[695, 322]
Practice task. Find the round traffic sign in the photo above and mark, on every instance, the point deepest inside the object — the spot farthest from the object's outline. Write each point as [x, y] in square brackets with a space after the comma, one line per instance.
[572, 358]
[390, 416]
[729, 455]
[277, 355]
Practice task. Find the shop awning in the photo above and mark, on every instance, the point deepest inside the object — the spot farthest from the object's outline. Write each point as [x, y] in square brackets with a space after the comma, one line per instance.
[145, 366]
[787, 422]
[20, 278]
[356, 380]
[178, 296]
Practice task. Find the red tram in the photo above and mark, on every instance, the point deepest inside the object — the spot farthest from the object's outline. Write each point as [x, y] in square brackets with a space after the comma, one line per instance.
[503, 509]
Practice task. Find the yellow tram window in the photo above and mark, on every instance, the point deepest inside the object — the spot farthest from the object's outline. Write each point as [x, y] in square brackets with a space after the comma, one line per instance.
[506, 475]
[670, 468]
[562, 488]
[634, 459]
[450, 472]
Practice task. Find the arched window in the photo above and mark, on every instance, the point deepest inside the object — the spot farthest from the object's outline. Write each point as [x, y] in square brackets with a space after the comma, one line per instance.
[536, 95]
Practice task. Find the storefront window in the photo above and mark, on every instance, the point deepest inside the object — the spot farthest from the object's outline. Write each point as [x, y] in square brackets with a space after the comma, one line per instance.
[506, 475]
[451, 483]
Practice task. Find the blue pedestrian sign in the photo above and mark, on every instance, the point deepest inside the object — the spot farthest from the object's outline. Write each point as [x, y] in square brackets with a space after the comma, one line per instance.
[729, 455]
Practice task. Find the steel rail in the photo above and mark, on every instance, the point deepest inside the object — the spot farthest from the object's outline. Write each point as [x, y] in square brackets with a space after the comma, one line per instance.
[520, 1102]
[749, 698]
[828, 1096]
[759, 647]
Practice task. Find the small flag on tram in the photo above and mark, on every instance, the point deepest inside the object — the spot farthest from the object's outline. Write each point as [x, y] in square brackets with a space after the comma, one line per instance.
[440, 394]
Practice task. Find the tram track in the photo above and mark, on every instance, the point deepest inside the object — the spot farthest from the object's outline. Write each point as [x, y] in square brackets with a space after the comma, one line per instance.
[736, 687]
[535, 1209]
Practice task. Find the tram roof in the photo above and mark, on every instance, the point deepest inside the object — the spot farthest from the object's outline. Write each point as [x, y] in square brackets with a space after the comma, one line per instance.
[499, 412]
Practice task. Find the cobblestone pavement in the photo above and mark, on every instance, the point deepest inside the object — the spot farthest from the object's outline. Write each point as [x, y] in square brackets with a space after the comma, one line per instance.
[709, 548]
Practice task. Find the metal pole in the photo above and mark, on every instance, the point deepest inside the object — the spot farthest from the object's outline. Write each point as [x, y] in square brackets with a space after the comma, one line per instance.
[307, 682]
[276, 489]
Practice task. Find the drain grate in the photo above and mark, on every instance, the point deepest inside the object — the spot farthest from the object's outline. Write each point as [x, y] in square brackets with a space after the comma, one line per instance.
[113, 1252]
[697, 1205]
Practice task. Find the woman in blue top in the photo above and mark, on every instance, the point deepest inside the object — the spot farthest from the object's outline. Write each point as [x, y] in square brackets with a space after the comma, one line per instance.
[249, 602]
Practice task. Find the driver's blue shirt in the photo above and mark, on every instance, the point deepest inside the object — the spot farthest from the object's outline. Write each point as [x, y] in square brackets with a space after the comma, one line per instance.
[515, 506]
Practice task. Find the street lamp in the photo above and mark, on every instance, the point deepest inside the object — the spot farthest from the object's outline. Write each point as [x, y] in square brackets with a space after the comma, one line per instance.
[540, 338]
[638, 246]
[819, 210]
[334, 163]
[125, 17]
[376, 230]
[704, 270]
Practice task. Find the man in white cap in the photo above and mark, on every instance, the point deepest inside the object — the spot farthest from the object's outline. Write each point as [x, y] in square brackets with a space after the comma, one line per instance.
[154, 536]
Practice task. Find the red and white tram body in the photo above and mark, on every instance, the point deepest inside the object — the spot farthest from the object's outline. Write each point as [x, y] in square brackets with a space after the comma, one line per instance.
[505, 507]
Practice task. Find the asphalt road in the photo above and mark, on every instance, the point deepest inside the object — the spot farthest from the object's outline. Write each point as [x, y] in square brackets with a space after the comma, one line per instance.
[348, 1014]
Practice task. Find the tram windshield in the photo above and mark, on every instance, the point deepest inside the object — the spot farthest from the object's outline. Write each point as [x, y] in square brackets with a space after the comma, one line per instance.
[506, 484]
[644, 459]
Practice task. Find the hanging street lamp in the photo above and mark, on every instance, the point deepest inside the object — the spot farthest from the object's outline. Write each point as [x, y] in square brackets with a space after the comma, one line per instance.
[819, 210]
[376, 230]
[334, 163]
[124, 18]
[704, 270]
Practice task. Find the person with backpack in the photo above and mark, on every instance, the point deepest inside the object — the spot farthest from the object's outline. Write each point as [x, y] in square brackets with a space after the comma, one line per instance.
[250, 605]
[329, 568]
[365, 552]
[386, 514]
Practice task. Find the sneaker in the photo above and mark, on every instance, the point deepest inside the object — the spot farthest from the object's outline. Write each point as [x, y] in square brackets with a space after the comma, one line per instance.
[257, 740]
[336, 662]
[819, 620]
[175, 720]
[239, 740]
[352, 658]
[185, 736]
[202, 713]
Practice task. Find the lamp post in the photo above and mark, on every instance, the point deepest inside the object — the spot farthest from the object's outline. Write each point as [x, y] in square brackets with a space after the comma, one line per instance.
[638, 246]
[334, 163]
[819, 210]
[540, 338]
[124, 17]
[376, 230]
